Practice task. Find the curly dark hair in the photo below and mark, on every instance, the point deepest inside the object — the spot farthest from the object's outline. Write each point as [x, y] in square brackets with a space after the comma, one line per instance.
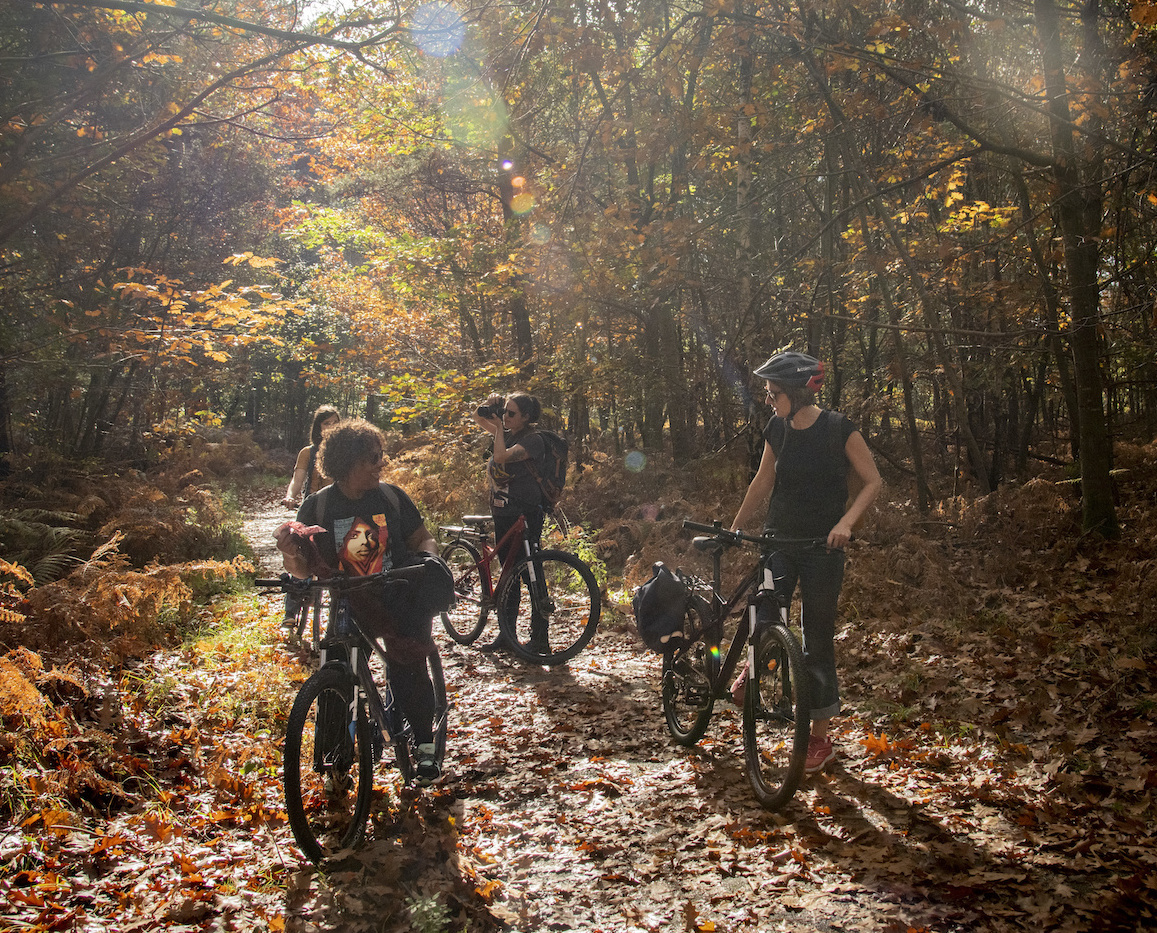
[351, 441]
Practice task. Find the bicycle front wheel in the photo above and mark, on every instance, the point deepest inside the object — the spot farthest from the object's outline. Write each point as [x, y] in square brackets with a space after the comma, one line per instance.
[776, 717]
[688, 673]
[549, 607]
[328, 766]
[465, 621]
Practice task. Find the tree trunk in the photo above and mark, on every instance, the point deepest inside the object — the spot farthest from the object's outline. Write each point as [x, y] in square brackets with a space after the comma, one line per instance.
[1078, 213]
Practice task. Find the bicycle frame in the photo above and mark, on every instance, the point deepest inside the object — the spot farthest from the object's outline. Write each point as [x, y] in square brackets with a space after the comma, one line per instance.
[489, 552]
[757, 587]
[354, 649]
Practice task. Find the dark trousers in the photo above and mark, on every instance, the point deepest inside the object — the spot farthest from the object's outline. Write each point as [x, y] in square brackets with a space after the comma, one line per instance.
[819, 574]
[513, 552]
[414, 694]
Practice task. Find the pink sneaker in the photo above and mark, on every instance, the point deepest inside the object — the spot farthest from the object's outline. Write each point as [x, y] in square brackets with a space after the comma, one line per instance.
[820, 754]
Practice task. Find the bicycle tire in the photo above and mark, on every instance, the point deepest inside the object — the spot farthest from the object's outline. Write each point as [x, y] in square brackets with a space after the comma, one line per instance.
[568, 598]
[328, 766]
[689, 670]
[776, 717]
[465, 621]
[402, 733]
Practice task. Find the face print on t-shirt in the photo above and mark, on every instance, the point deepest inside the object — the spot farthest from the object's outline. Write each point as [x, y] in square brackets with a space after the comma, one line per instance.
[363, 544]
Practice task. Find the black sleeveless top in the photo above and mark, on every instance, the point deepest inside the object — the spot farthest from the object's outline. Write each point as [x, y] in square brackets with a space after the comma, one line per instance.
[811, 476]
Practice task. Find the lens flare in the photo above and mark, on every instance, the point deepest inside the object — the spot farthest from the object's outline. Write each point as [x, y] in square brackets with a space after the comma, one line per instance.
[438, 29]
[635, 461]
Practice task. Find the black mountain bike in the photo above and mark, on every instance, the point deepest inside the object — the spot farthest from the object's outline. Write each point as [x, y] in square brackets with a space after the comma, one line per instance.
[340, 724]
[697, 670]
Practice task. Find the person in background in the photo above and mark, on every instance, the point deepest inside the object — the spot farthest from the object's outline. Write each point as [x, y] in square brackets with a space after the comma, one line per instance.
[307, 474]
[370, 528]
[807, 453]
[518, 455]
[307, 478]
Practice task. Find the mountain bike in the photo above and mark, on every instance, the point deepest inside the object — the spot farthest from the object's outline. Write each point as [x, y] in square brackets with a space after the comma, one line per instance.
[340, 724]
[308, 614]
[551, 626]
[697, 671]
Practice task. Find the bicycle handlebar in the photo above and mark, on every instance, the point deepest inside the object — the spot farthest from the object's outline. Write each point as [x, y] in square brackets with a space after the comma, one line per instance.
[340, 582]
[716, 530]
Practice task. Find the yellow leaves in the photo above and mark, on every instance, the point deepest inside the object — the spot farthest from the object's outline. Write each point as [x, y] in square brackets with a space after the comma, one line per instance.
[160, 58]
[257, 262]
[15, 570]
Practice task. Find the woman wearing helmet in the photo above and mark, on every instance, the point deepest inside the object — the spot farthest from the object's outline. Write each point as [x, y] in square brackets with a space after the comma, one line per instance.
[807, 452]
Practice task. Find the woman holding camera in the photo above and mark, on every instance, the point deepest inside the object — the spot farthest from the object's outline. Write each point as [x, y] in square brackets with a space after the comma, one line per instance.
[517, 458]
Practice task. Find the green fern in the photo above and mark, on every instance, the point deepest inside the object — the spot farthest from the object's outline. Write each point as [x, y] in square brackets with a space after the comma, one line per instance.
[41, 541]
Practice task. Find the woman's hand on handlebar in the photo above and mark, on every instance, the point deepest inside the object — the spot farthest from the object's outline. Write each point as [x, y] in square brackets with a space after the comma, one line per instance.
[839, 536]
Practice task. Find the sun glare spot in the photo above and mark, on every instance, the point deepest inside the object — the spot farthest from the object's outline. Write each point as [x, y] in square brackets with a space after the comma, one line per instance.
[438, 29]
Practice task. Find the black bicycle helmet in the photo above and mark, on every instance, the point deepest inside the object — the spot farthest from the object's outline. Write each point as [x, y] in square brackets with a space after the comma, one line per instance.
[791, 370]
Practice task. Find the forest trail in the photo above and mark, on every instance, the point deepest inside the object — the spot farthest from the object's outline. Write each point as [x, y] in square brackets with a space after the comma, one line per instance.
[976, 790]
[566, 807]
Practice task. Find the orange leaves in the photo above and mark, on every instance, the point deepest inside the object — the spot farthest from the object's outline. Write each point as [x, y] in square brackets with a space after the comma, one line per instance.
[1144, 13]
[880, 746]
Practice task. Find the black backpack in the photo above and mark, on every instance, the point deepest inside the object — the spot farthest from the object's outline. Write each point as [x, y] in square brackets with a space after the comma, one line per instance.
[552, 477]
[660, 607]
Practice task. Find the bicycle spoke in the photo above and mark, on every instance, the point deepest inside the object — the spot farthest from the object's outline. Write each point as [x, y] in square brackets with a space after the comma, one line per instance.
[328, 767]
[465, 620]
[688, 696]
[551, 619]
[775, 718]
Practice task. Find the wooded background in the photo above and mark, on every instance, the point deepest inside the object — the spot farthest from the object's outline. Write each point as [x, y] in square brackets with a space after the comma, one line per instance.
[230, 213]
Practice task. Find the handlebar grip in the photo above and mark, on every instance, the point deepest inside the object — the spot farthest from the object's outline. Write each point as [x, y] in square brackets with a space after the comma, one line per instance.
[276, 582]
[713, 529]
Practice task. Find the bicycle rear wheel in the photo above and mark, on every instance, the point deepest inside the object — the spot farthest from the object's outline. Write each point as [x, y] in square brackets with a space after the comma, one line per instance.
[328, 766]
[776, 717]
[552, 619]
[689, 670]
[466, 619]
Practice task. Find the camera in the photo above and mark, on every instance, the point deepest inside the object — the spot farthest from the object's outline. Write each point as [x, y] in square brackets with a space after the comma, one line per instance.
[491, 410]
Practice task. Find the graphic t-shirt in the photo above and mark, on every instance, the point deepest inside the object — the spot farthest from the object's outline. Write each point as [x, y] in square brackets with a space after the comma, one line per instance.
[811, 476]
[513, 487]
[365, 535]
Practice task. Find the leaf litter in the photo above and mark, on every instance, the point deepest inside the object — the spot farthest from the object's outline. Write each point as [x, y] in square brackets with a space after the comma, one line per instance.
[996, 772]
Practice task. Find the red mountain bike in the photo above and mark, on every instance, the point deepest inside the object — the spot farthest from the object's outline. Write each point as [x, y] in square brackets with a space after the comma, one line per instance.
[547, 602]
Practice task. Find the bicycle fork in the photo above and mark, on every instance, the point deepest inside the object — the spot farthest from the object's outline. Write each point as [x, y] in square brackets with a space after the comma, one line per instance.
[767, 590]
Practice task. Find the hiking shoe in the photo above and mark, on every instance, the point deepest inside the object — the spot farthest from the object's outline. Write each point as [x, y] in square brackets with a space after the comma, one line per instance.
[427, 769]
[820, 754]
[540, 644]
[739, 688]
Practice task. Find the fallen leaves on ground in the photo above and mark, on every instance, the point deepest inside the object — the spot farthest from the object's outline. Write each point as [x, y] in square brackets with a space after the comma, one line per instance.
[998, 776]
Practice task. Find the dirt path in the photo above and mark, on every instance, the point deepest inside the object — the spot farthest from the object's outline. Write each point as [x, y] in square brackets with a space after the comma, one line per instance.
[566, 807]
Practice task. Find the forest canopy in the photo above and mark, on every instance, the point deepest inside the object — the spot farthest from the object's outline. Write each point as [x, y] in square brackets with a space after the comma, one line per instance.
[228, 213]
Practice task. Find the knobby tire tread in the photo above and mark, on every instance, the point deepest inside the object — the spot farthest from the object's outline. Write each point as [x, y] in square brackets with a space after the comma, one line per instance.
[339, 683]
[585, 614]
[776, 776]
